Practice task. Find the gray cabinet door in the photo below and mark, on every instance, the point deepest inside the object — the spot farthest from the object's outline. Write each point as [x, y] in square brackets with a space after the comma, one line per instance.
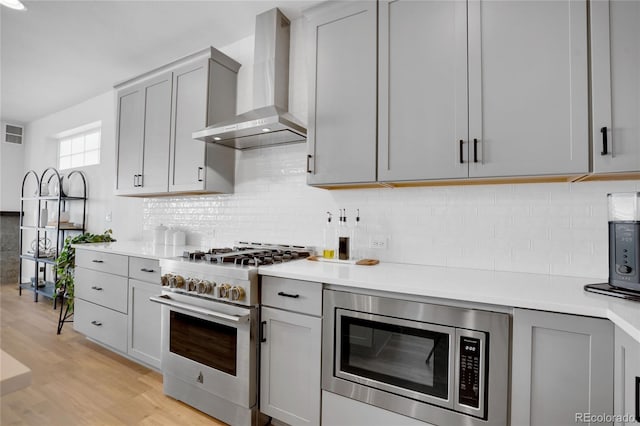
[342, 101]
[528, 105]
[627, 378]
[157, 124]
[562, 366]
[144, 323]
[187, 170]
[615, 76]
[130, 133]
[422, 74]
[290, 367]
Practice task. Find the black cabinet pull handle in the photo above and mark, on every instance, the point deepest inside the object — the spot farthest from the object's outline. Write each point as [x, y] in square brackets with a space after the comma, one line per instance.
[97, 261]
[96, 288]
[140, 181]
[475, 150]
[308, 163]
[96, 323]
[135, 181]
[637, 399]
[605, 150]
[146, 270]
[293, 296]
[461, 151]
[200, 169]
[263, 337]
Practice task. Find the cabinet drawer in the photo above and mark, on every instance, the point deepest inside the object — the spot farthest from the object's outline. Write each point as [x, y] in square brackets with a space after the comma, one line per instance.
[293, 295]
[104, 262]
[144, 269]
[102, 289]
[101, 324]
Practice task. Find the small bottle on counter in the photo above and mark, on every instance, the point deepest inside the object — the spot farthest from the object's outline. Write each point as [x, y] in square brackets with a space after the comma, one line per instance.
[344, 238]
[356, 238]
[329, 237]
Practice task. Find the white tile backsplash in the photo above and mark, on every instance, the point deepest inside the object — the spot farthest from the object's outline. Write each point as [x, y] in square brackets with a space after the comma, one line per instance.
[558, 228]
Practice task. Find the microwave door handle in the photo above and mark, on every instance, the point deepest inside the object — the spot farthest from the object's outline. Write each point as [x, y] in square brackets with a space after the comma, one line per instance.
[165, 300]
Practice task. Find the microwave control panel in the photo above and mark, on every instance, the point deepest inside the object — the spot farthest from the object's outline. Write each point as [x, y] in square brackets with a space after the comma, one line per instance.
[469, 386]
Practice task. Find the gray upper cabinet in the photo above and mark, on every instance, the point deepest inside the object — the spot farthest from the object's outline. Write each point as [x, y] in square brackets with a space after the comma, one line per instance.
[615, 73]
[562, 365]
[422, 75]
[203, 93]
[482, 89]
[130, 133]
[144, 114]
[342, 95]
[158, 112]
[528, 88]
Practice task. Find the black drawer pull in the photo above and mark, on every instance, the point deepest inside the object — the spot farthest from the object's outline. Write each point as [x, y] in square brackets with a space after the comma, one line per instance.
[96, 288]
[637, 399]
[293, 296]
[461, 151]
[475, 150]
[308, 163]
[263, 335]
[97, 261]
[96, 323]
[147, 270]
[605, 149]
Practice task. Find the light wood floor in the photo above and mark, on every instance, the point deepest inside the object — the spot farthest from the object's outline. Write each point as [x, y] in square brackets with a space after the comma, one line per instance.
[77, 382]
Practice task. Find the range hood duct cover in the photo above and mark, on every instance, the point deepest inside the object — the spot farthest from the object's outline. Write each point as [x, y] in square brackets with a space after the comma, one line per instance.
[268, 123]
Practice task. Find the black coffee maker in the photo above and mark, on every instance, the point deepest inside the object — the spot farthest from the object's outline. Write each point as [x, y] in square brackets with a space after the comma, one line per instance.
[624, 240]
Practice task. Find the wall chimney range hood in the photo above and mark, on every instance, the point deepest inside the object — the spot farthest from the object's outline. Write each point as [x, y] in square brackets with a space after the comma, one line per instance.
[268, 123]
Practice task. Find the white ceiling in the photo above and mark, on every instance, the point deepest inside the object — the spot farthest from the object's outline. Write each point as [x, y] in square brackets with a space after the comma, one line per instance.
[60, 53]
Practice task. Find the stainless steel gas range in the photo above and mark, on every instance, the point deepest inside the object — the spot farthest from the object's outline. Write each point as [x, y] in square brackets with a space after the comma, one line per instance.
[210, 318]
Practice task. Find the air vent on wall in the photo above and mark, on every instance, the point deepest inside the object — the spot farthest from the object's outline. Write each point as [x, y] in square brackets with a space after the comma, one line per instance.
[13, 134]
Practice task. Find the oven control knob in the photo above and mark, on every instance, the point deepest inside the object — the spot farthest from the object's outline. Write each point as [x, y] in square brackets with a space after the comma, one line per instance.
[237, 293]
[176, 281]
[191, 284]
[164, 280]
[223, 291]
[205, 287]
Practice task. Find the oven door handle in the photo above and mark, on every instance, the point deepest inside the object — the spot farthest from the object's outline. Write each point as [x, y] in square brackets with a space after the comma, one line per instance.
[166, 300]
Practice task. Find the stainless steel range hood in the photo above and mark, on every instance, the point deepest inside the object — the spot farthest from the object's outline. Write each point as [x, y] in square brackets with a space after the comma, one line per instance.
[268, 123]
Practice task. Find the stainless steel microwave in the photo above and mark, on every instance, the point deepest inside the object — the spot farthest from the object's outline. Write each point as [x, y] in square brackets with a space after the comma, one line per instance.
[440, 364]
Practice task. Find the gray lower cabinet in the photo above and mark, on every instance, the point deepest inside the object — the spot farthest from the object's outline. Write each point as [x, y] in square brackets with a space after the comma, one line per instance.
[112, 303]
[342, 94]
[156, 115]
[143, 320]
[627, 379]
[291, 350]
[562, 368]
[615, 74]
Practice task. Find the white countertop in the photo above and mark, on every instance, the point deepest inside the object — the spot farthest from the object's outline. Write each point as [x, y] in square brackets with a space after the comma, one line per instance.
[512, 289]
[144, 249]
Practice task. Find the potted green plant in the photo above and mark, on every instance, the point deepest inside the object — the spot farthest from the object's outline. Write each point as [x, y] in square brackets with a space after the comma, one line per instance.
[66, 262]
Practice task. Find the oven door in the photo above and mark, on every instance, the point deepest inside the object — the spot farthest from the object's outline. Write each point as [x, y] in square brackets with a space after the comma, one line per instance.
[210, 345]
[408, 358]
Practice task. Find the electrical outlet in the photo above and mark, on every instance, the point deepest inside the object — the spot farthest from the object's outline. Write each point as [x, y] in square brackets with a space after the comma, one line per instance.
[108, 217]
[378, 242]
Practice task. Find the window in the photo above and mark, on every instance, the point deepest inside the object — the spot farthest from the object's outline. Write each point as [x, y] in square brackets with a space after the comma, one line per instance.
[80, 146]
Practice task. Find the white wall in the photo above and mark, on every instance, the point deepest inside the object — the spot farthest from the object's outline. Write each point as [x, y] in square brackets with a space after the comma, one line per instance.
[11, 161]
[41, 151]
